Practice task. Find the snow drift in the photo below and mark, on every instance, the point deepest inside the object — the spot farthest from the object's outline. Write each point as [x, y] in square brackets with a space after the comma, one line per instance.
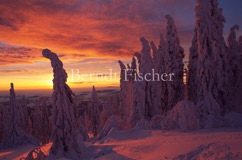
[182, 116]
[211, 151]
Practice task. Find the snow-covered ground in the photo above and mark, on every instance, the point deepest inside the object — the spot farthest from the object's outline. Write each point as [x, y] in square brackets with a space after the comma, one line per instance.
[146, 145]
[156, 144]
[20, 152]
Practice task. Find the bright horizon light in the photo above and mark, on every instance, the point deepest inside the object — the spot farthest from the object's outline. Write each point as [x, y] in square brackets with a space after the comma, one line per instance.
[90, 37]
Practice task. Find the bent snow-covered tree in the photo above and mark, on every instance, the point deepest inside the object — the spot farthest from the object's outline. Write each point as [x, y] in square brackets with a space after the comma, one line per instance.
[64, 133]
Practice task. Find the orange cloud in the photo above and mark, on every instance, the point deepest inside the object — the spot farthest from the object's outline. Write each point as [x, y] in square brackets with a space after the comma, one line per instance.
[19, 55]
[89, 35]
[101, 28]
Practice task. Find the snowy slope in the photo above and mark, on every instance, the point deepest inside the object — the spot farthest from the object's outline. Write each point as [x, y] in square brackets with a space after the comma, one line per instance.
[145, 145]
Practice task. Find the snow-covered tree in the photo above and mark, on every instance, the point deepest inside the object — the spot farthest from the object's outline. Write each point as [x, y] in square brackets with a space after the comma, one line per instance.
[37, 121]
[112, 122]
[234, 71]
[133, 91]
[159, 66]
[240, 45]
[146, 67]
[23, 113]
[64, 131]
[107, 111]
[30, 125]
[41, 124]
[123, 89]
[209, 112]
[95, 117]
[82, 129]
[116, 106]
[174, 64]
[46, 133]
[3, 122]
[137, 113]
[14, 135]
[233, 44]
[206, 61]
[191, 78]
[147, 97]
[126, 91]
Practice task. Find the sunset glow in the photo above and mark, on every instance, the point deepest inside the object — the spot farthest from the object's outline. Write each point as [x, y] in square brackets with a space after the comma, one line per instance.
[90, 36]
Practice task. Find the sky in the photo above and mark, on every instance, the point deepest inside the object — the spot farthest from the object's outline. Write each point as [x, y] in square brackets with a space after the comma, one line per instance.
[89, 36]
